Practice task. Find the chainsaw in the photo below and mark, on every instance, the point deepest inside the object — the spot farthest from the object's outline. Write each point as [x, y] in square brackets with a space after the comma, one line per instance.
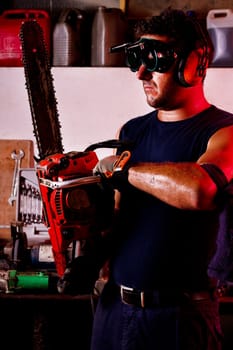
[77, 206]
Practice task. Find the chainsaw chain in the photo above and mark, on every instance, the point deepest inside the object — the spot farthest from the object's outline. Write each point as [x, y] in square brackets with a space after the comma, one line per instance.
[41, 93]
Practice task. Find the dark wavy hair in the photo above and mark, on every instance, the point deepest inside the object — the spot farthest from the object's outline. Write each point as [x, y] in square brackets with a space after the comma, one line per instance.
[184, 30]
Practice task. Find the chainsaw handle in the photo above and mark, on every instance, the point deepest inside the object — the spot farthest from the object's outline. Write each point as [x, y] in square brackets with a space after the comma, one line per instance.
[119, 163]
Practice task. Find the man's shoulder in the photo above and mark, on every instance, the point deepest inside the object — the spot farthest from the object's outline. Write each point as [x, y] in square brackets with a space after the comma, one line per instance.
[222, 113]
[216, 118]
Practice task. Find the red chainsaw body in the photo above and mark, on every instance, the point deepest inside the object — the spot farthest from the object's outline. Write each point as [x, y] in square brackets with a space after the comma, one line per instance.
[69, 212]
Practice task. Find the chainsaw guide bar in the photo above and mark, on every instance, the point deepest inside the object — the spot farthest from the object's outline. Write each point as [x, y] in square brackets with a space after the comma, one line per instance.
[41, 93]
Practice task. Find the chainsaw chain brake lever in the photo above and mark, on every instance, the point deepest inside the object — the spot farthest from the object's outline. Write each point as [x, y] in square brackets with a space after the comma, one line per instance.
[120, 163]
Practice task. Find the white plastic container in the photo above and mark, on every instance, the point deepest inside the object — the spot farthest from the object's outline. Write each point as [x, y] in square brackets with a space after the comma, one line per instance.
[220, 27]
[69, 39]
[108, 29]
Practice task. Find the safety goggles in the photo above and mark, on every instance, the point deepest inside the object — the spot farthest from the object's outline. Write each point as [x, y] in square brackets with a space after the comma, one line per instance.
[156, 55]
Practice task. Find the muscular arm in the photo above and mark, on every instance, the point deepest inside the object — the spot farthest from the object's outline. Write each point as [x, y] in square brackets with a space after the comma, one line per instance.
[187, 185]
[183, 185]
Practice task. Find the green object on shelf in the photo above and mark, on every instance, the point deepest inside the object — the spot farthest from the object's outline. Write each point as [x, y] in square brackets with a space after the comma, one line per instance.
[27, 280]
[34, 280]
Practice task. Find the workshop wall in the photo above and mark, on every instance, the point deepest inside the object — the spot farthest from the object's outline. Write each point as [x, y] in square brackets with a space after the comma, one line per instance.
[93, 102]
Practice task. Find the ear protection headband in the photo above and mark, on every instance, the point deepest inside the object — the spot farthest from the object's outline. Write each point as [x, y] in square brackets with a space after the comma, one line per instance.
[192, 67]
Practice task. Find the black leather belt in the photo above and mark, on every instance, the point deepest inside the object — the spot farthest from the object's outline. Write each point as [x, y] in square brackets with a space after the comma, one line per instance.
[160, 298]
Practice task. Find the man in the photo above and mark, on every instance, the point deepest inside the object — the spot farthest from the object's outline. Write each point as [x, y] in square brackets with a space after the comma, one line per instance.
[159, 295]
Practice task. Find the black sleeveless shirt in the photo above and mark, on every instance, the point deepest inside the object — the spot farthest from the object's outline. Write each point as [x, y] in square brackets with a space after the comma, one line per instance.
[160, 246]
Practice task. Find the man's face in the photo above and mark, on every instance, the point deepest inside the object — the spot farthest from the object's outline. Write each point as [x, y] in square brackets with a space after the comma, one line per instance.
[161, 89]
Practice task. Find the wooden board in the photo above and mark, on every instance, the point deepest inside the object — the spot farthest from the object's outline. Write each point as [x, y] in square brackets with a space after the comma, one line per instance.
[8, 212]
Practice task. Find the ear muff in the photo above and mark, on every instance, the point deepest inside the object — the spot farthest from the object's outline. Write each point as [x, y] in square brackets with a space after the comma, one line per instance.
[192, 69]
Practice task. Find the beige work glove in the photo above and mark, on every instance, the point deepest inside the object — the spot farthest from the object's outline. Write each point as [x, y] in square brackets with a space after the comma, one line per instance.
[114, 168]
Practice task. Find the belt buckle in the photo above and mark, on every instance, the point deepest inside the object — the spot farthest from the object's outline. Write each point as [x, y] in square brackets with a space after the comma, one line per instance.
[142, 294]
[122, 288]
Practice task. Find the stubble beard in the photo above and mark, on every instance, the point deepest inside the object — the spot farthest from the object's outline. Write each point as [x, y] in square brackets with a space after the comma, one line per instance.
[157, 101]
[163, 99]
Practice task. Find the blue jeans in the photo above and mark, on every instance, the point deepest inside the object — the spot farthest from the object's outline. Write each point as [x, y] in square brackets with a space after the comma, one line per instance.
[188, 326]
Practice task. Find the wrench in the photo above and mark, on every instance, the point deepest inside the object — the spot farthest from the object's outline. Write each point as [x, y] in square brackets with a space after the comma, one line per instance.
[15, 181]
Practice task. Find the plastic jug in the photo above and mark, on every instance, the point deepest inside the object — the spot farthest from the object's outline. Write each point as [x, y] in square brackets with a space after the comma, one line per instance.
[109, 28]
[69, 39]
[220, 27]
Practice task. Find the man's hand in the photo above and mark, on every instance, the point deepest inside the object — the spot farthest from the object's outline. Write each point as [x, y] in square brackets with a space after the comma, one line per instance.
[108, 166]
[115, 168]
